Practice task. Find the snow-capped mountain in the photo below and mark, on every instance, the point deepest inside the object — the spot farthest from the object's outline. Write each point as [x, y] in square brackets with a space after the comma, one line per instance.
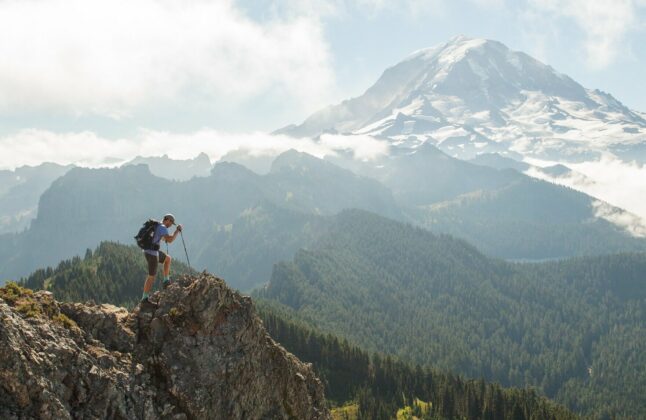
[473, 96]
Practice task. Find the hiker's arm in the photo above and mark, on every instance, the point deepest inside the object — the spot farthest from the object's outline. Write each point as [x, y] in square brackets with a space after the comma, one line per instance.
[170, 238]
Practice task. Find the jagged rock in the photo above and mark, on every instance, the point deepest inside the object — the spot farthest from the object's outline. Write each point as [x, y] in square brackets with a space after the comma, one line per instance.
[201, 353]
[105, 323]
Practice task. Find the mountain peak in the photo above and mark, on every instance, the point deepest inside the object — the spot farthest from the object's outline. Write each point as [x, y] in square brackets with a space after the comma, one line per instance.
[293, 159]
[453, 50]
[486, 73]
[471, 95]
[201, 353]
[459, 38]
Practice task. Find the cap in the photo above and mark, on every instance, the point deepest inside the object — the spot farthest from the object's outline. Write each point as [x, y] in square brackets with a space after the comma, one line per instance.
[171, 217]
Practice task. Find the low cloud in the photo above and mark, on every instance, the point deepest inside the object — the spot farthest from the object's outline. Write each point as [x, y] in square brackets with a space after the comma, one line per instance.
[631, 223]
[363, 147]
[117, 58]
[620, 183]
[32, 147]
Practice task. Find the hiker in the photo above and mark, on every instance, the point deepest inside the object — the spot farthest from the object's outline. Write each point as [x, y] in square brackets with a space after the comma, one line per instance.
[154, 256]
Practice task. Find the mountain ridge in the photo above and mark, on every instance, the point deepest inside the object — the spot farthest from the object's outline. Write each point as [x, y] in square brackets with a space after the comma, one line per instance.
[87, 206]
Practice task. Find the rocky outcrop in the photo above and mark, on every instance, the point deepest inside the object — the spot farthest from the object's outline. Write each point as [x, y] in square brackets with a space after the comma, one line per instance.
[200, 353]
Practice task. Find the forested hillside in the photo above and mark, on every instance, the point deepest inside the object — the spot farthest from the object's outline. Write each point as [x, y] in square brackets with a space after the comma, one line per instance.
[381, 385]
[528, 217]
[378, 385]
[573, 329]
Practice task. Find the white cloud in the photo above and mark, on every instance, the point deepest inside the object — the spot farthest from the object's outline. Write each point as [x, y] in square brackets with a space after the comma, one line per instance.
[363, 147]
[633, 224]
[620, 183]
[32, 147]
[342, 8]
[118, 57]
[604, 23]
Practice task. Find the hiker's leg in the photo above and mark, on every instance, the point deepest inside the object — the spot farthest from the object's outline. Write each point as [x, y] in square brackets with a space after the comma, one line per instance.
[152, 272]
[148, 286]
[165, 259]
[167, 266]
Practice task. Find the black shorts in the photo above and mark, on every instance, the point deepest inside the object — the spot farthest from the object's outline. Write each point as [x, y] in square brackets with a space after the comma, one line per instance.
[153, 261]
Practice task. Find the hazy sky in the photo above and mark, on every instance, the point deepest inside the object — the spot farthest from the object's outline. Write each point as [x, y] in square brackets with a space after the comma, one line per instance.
[115, 68]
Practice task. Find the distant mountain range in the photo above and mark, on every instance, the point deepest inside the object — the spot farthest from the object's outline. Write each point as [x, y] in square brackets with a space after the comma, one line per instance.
[240, 223]
[501, 211]
[474, 96]
[20, 191]
[175, 169]
[87, 206]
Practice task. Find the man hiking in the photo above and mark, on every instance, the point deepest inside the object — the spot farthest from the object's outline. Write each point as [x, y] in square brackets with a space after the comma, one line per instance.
[154, 256]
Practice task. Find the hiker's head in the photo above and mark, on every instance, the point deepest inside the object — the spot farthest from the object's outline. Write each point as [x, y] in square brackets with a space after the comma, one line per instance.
[168, 220]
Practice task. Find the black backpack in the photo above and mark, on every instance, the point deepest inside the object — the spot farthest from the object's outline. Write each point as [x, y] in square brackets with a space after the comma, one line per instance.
[145, 235]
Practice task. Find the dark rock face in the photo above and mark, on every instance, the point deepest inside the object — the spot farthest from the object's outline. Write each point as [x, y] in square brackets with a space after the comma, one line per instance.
[201, 353]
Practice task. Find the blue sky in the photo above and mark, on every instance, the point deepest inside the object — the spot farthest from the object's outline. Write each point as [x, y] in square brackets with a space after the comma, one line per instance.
[117, 69]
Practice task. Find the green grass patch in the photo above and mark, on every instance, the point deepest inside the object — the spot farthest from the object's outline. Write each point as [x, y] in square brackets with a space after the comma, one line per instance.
[349, 411]
[65, 321]
[11, 293]
[418, 410]
[30, 305]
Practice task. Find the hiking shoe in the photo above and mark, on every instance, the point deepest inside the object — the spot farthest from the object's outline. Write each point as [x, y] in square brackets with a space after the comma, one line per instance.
[147, 304]
[165, 284]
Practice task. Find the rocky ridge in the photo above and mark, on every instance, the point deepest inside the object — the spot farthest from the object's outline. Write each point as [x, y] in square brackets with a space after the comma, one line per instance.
[201, 352]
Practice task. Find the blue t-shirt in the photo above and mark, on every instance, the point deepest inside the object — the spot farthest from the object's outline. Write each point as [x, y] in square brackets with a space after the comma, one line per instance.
[160, 232]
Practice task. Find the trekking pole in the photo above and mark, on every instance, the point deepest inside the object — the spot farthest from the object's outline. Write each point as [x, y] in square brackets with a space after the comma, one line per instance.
[184, 245]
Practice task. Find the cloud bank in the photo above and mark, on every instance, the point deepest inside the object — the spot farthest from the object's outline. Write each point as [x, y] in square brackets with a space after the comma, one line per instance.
[620, 183]
[617, 182]
[632, 223]
[33, 147]
[119, 57]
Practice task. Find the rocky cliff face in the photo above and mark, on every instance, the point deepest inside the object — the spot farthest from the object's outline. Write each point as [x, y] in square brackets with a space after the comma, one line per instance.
[201, 353]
